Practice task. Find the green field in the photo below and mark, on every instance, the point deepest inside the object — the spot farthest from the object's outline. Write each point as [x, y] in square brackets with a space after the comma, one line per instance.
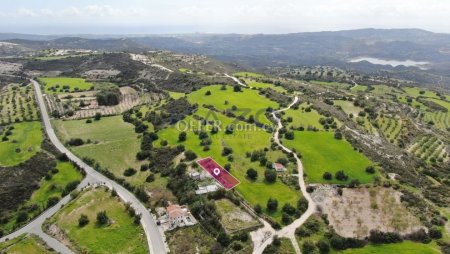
[17, 104]
[405, 247]
[348, 107]
[176, 95]
[122, 235]
[184, 70]
[331, 84]
[24, 142]
[321, 152]
[54, 187]
[359, 88]
[65, 85]
[440, 120]
[257, 192]
[244, 74]
[415, 92]
[246, 100]
[301, 118]
[114, 143]
[25, 245]
[263, 85]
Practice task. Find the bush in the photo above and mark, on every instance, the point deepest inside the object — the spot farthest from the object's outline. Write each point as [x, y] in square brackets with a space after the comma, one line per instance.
[252, 174]
[258, 209]
[83, 220]
[237, 88]
[227, 151]
[129, 172]
[341, 176]
[327, 176]
[370, 170]
[270, 176]
[144, 167]
[435, 233]
[102, 218]
[289, 135]
[272, 205]
[150, 178]
[379, 237]
[52, 201]
[289, 209]
[302, 205]
[308, 247]
[285, 218]
[190, 155]
[21, 217]
[182, 136]
[324, 247]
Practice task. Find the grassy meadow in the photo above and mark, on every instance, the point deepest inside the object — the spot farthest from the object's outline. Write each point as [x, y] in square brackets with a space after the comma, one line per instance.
[406, 247]
[22, 144]
[321, 152]
[25, 245]
[121, 235]
[301, 118]
[245, 100]
[114, 143]
[58, 85]
[246, 74]
[55, 186]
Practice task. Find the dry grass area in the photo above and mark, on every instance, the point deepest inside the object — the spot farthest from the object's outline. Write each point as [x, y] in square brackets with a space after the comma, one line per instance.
[234, 218]
[360, 210]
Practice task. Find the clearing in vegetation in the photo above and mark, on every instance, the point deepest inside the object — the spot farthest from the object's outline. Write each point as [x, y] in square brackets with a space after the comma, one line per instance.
[247, 102]
[65, 85]
[189, 240]
[113, 142]
[120, 235]
[233, 217]
[17, 104]
[321, 153]
[19, 142]
[360, 210]
[331, 84]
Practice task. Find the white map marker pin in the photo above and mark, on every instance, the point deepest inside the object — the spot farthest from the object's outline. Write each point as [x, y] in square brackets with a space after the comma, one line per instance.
[216, 171]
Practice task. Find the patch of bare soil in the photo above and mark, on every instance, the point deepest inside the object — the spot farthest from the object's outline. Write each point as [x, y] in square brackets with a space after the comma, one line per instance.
[59, 235]
[360, 210]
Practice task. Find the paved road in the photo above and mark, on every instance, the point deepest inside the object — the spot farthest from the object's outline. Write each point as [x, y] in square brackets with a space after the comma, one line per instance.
[289, 230]
[155, 238]
[235, 80]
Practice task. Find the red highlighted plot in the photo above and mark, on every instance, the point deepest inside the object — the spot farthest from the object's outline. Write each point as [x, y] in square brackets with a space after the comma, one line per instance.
[220, 174]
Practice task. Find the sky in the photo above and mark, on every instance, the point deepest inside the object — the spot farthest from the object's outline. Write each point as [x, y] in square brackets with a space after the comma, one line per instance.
[219, 16]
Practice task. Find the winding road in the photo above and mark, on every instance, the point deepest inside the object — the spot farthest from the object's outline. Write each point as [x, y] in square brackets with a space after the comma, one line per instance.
[264, 236]
[155, 238]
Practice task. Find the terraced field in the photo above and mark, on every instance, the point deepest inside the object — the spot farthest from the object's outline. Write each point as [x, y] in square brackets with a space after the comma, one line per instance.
[439, 119]
[17, 104]
[430, 148]
[391, 127]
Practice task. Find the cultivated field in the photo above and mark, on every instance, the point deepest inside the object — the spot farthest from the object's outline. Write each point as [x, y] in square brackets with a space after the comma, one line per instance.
[244, 74]
[430, 148]
[391, 127]
[17, 104]
[120, 235]
[20, 142]
[321, 153]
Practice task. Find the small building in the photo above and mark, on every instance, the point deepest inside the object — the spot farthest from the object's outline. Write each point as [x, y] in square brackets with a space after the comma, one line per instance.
[279, 167]
[179, 216]
[195, 175]
[206, 189]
